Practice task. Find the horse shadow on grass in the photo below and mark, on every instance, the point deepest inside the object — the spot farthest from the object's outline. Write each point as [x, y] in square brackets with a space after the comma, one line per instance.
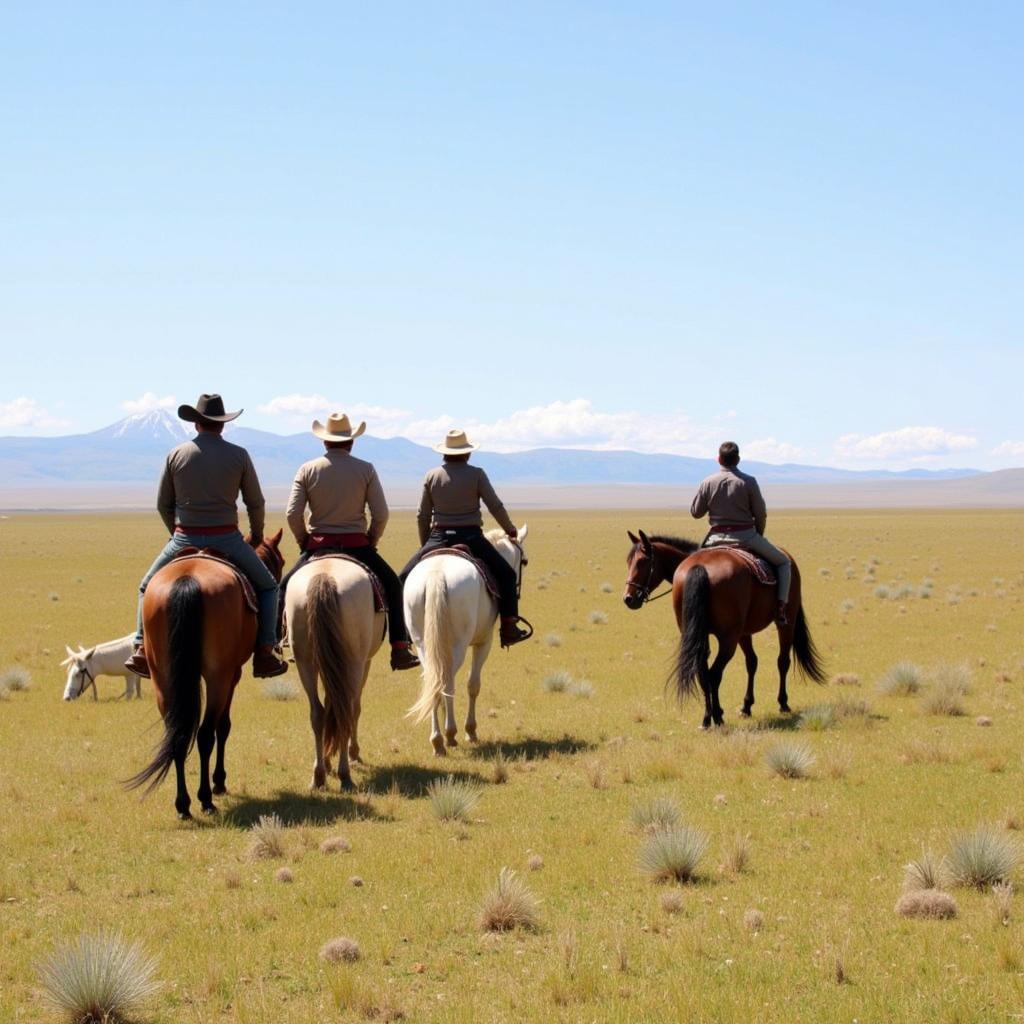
[531, 748]
[411, 780]
[298, 809]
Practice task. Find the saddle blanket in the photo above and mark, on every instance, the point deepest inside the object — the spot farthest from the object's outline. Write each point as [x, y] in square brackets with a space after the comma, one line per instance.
[379, 602]
[461, 551]
[211, 555]
[763, 571]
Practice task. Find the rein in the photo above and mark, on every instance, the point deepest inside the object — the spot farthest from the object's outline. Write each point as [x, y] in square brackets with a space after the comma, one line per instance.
[644, 590]
[523, 560]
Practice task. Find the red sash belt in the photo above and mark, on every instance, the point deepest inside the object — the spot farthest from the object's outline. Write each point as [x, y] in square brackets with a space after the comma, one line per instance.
[731, 528]
[320, 541]
[212, 531]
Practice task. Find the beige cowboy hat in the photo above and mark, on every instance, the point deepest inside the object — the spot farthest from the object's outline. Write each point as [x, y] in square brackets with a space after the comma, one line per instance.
[456, 443]
[207, 407]
[338, 428]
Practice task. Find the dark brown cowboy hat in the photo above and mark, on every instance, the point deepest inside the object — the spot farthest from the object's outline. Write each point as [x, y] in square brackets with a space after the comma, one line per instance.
[207, 407]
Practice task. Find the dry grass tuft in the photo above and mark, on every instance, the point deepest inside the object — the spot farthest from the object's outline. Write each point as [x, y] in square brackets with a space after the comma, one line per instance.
[790, 760]
[98, 978]
[15, 679]
[508, 905]
[901, 680]
[982, 858]
[597, 774]
[266, 838]
[557, 682]
[672, 901]
[818, 717]
[738, 749]
[284, 875]
[280, 689]
[837, 762]
[753, 920]
[846, 679]
[499, 769]
[952, 677]
[1002, 902]
[737, 855]
[926, 903]
[983, 720]
[596, 618]
[552, 640]
[673, 854]
[341, 950]
[335, 844]
[452, 799]
[926, 750]
[535, 862]
[943, 700]
[926, 872]
[657, 813]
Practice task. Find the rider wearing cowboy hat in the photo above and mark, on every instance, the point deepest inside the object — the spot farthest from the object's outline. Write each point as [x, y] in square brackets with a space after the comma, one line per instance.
[449, 514]
[200, 485]
[338, 488]
[735, 507]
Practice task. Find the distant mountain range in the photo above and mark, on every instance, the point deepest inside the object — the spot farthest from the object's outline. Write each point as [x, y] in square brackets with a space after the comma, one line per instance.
[132, 451]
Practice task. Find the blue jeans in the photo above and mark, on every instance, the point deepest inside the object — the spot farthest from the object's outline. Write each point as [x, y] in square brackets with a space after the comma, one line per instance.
[234, 548]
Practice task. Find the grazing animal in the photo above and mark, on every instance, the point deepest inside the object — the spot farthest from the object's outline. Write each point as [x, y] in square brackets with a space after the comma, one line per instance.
[199, 626]
[714, 592]
[334, 630]
[449, 610]
[102, 660]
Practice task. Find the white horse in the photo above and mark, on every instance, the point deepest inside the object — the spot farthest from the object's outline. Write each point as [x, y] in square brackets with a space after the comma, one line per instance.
[102, 660]
[449, 610]
[334, 631]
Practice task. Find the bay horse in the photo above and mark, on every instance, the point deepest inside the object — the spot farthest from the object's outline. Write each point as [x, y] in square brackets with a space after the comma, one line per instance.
[714, 592]
[198, 626]
[335, 630]
[449, 611]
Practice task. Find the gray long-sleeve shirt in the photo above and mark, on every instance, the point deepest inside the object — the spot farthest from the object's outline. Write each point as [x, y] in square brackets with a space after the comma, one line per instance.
[201, 481]
[452, 494]
[730, 498]
[338, 488]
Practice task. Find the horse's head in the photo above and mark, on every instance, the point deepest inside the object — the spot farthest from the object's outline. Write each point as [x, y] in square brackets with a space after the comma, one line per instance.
[512, 551]
[269, 550]
[79, 674]
[644, 574]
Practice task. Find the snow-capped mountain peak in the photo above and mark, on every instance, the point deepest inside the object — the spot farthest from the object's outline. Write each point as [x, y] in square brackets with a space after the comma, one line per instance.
[157, 425]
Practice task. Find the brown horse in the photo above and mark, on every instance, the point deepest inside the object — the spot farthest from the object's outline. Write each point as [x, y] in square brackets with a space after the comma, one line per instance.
[715, 592]
[198, 626]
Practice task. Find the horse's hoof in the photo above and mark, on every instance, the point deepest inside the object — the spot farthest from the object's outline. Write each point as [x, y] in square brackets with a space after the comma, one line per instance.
[438, 744]
[317, 786]
[355, 758]
[184, 815]
[745, 712]
[220, 789]
[785, 709]
[705, 726]
[471, 737]
[210, 809]
[452, 741]
[347, 785]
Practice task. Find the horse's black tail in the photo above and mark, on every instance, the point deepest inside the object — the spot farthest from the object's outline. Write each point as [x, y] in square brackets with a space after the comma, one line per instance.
[808, 659]
[694, 646]
[182, 693]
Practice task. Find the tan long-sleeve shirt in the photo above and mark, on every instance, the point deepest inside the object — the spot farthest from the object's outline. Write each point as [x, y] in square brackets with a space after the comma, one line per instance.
[337, 488]
[451, 496]
[730, 498]
[201, 481]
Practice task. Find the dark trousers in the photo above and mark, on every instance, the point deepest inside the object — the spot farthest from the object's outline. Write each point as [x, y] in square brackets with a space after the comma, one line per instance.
[474, 539]
[371, 558]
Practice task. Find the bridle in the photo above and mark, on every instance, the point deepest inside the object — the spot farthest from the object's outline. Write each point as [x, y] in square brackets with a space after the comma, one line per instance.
[523, 560]
[84, 669]
[644, 589]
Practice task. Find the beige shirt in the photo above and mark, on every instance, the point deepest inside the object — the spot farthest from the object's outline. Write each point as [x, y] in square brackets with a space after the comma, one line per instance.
[201, 482]
[337, 488]
[452, 494]
[730, 498]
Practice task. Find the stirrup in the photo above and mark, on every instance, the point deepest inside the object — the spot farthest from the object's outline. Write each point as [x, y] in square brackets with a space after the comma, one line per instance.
[520, 634]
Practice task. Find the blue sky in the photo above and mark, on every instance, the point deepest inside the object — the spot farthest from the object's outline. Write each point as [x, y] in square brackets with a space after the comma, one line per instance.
[646, 225]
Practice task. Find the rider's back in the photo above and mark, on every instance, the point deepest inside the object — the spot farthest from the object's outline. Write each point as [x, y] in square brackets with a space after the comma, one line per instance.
[730, 498]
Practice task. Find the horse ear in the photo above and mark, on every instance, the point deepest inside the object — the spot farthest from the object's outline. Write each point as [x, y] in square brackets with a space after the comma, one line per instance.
[71, 653]
[645, 540]
[632, 536]
[88, 654]
[523, 530]
[276, 539]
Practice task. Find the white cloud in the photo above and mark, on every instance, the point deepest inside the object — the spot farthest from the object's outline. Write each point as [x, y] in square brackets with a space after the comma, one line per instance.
[380, 420]
[1015, 449]
[149, 402]
[768, 449]
[914, 443]
[21, 413]
[297, 405]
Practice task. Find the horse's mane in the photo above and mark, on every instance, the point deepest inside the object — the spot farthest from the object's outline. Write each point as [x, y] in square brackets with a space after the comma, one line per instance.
[680, 543]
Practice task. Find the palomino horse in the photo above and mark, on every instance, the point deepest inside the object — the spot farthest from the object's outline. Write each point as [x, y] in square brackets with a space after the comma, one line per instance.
[335, 631]
[198, 626]
[448, 610]
[715, 592]
[102, 660]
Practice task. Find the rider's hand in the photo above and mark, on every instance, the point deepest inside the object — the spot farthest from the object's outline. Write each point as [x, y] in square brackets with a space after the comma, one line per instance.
[512, 534]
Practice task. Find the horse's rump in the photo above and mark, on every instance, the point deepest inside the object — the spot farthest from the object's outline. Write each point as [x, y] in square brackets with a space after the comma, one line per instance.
[216, 557]
[380, 603]
[463, 552]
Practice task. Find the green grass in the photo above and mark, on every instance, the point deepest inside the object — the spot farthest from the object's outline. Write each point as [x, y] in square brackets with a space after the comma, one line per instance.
[81, 856]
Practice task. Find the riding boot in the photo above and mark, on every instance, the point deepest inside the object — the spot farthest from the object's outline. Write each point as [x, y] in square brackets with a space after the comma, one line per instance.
[780, 614]
[137, 663]
[266, 662]
[510, 632]
[403, 656]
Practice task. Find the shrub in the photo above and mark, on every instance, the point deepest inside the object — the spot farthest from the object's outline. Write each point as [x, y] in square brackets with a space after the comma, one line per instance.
[499, 769]
[883, 593]
[280, 689]
[753, 920]
[452, 799]
[956, 678]
[927, 903]
[982, 858]
[335, 844]
[1002, 902]
[98, 977]
[790, 760]
[340, 950]
[902, 679]
[553, 640]
[671, 901]
[673, 854]
[557, 682]
[818, 717]
[657, 813]
[944, 700]
[926, 872]
[597, 618]
[508, 905]
[284, 875]
[606, 588]
[737, 855]
[583, 689]
[15, 679]
[267, 838]
[536, 862]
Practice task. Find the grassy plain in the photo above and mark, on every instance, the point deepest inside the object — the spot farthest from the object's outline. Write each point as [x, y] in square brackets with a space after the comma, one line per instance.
[826, 854]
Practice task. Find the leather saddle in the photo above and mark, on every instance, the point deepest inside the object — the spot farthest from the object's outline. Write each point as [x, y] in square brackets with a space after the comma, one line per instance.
[462, 551]
[763, 572]
[379, 602]
[211, 555]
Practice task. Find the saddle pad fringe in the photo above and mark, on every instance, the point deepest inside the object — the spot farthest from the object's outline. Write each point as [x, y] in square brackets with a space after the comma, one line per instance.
[463, 552]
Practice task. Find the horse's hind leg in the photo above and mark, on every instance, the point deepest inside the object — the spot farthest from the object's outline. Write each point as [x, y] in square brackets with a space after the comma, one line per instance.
[220, 775]
[750, 657]
[436, 740]
[451, 730]
[476, 666]
[205, 738]
[357, 709]
[785, 646]
[726, 649]
[308, 675]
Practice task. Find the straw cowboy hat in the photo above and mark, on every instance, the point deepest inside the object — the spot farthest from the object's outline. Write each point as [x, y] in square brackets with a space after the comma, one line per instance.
[207, 407]
[456, 443]
[338, 428]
